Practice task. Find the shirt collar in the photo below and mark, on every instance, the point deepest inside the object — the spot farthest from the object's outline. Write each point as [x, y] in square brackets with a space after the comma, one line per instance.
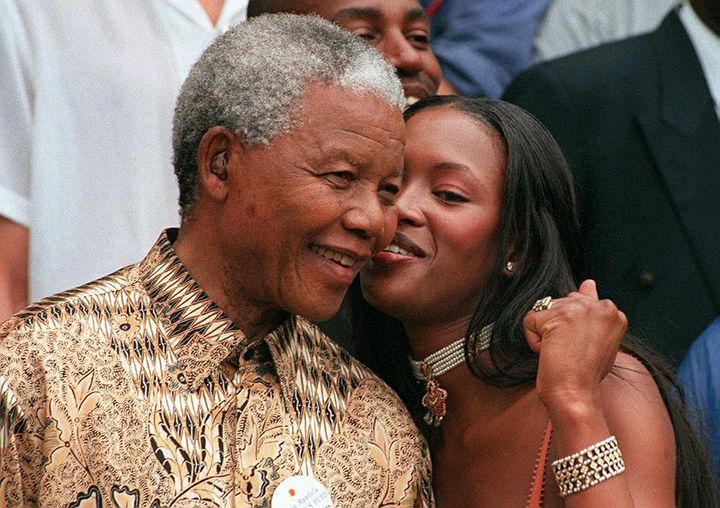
[707, 46]
[233, 12]
[199, 332]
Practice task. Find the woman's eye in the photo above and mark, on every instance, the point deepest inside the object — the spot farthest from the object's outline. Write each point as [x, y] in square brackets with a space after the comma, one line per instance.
[451, 197]
[389, 192]
[390, 188]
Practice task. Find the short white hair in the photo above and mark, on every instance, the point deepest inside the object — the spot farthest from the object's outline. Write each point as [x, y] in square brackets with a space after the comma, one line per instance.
[251, 80]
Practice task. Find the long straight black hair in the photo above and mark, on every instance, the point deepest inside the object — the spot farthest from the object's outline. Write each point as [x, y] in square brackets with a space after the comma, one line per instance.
[539, 230]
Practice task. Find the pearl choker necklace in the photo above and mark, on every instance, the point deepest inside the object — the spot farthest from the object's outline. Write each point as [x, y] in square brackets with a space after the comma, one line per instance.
[439, 363]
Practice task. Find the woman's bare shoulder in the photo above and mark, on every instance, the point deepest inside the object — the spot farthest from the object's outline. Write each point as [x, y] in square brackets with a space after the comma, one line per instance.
[630, 387]
[636, 414]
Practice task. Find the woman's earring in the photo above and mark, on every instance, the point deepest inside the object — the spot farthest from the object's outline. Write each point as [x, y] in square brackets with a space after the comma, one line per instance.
[510, 266]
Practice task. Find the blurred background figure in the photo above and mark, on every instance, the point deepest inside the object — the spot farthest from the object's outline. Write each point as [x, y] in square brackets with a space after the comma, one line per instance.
[87, 96]
[573, 25]
[483, 44]
[699, 376]
[638, 122]
[399, 29]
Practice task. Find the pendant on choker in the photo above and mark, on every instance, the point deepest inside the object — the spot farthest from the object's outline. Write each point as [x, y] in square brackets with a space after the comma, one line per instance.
[435, 398]
[437, 364]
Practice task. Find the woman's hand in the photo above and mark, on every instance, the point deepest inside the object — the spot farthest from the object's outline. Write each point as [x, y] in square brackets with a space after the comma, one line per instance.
[577, 340]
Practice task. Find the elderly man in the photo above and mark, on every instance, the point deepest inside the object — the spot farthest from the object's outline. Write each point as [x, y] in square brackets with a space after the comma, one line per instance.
[190, 379]
[399, 29]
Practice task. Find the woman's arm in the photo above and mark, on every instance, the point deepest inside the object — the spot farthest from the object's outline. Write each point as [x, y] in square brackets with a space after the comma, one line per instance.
[577, 339]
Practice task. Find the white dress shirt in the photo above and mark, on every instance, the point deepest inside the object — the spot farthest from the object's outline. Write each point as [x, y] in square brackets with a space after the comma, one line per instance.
[707, 46]
[573, 25]
[87, 93]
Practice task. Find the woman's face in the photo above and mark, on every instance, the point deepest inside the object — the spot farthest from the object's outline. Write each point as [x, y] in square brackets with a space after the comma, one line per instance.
[448, 218]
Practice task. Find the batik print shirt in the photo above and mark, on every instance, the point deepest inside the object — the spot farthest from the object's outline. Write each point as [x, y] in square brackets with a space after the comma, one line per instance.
[136, 390]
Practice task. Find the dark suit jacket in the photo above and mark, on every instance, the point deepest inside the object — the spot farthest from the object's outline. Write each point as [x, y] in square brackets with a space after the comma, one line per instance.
[639, 128]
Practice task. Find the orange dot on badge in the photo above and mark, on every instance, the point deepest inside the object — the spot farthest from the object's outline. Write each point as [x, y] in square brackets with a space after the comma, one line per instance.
[291, 492]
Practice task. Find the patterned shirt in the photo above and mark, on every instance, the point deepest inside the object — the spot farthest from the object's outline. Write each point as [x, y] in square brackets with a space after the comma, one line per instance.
[136, 390]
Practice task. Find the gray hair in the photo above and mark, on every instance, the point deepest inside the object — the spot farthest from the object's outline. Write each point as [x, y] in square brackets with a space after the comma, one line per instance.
[251, 80]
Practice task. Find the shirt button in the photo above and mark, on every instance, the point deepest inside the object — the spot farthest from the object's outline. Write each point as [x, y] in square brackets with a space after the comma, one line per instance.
[645, 279]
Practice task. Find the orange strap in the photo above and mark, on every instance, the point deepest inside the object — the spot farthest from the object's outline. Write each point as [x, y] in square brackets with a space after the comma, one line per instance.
[535, 498]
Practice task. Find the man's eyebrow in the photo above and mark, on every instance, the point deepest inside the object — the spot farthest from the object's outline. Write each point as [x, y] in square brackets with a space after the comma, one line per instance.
[369, 13]
[417, 14]
[374, 14]
[341, 154]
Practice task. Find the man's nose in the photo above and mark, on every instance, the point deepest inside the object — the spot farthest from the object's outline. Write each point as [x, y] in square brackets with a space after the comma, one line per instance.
[366, 215]
[406, 58]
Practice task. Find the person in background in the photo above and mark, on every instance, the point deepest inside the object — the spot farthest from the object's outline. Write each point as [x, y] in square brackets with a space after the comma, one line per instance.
[482, 45]
[700, 378]
[399, 29]
[573, 25]
[638, 120]
[475, 319]
[193, 378]
[87, 96]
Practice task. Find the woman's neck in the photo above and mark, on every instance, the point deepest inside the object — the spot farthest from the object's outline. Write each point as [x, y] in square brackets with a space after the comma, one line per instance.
[426, 338]
[469, 398]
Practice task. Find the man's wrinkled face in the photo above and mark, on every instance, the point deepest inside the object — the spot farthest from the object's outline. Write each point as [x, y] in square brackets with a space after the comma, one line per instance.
[314, 205]
[399, 29]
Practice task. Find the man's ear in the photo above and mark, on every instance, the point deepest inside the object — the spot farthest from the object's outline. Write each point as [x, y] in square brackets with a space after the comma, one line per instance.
[214, 160]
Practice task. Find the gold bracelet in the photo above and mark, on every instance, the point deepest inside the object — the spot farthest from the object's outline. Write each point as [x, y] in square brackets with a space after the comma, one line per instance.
[588, 467]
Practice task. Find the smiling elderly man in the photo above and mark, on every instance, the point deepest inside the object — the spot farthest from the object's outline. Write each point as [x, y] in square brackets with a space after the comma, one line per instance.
[190, 379]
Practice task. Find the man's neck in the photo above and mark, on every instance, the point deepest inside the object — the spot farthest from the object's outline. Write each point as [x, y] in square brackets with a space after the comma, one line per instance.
[197, 256]
[212, 8]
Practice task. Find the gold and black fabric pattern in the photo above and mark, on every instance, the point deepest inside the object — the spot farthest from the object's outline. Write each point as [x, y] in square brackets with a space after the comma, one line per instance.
[137, 391]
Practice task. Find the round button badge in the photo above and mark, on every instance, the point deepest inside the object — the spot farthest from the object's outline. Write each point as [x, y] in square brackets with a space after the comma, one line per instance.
[301, 492]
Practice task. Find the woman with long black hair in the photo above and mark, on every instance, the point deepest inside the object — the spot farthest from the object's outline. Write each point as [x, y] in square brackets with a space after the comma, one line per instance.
[475, 319]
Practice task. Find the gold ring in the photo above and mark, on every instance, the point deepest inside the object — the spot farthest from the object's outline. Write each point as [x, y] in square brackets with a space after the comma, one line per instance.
[543, 304]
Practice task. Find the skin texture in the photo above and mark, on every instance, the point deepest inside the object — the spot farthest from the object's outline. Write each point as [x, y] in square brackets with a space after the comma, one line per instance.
[399, 29]
[213, 8]
[331, 183]
[13, 268]
[577, 340]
